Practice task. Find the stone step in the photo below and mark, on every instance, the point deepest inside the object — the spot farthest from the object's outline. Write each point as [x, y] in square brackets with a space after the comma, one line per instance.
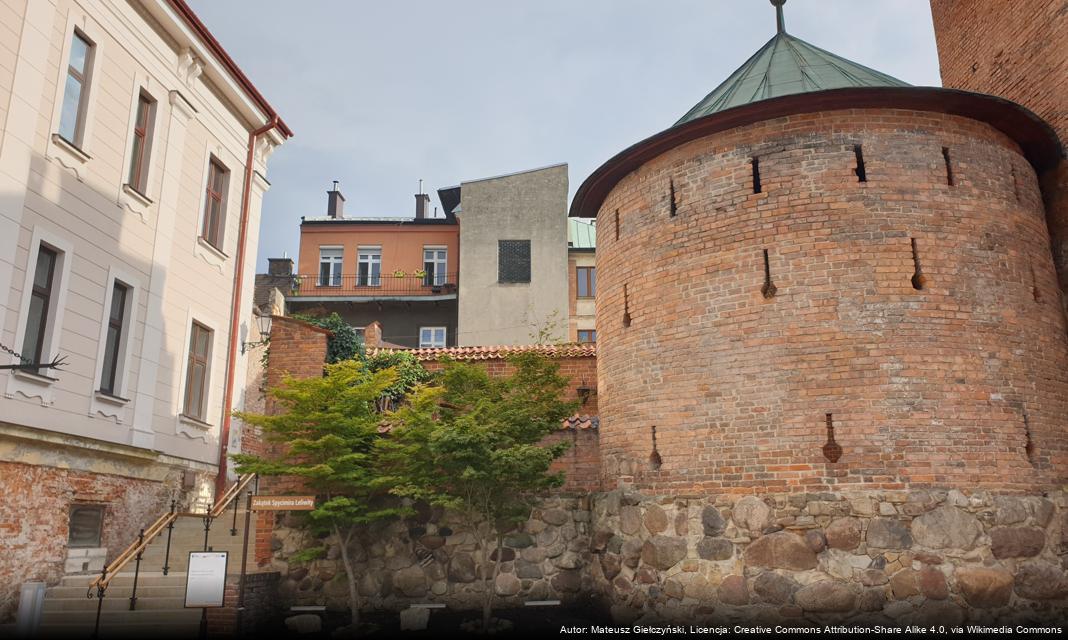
[146, 579]
[120, 629]
[117, 592]
[121, 616]
[115, 602]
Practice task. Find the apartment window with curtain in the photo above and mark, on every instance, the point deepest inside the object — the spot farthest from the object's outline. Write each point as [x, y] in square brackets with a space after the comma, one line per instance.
[196, 375]
[41, 294]
[215, 204]
[587, 281]
[430, 337]
[435, 264]
[111, 370]
[330, 261]
[76, 90]
[142, 143]
[369, 267]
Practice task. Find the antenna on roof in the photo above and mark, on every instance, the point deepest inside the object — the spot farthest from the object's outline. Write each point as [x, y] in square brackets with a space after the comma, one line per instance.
[780, 21]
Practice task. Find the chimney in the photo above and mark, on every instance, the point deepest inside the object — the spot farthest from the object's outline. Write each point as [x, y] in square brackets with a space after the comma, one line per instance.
[335, 203]
[372, 335]
[280, 266]
[422, 203]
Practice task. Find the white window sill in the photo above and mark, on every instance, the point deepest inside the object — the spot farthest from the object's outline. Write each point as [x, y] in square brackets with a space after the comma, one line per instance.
[194, 422]
[35, 378]
[70, 148]
[212, 249]
[137, 196]
[103, 396]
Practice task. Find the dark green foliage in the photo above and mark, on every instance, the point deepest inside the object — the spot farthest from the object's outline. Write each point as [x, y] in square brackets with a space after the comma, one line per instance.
[344, 344]
[473, 443]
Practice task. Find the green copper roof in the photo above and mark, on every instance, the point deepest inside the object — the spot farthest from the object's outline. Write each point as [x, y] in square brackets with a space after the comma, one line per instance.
[581, 234]
[787, 65]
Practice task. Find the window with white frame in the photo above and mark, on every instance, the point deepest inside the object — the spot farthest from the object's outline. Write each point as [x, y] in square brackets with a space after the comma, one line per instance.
[76, 89]
[215, 203]
[118, 326]
[42, 306]
[431, 337]
[197, 370]
[434, 264]
[142, 143]
[369, 267]
[330, 261]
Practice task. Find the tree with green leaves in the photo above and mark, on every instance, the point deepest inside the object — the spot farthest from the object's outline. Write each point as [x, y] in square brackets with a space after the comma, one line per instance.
[475, 444]
[327, 428]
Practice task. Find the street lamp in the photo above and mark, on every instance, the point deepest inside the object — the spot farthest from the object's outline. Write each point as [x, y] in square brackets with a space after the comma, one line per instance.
[263, 321]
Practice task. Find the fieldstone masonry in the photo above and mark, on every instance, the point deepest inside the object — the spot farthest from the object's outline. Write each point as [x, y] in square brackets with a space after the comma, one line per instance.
[907, 557]
[433, 557]
[892, 556]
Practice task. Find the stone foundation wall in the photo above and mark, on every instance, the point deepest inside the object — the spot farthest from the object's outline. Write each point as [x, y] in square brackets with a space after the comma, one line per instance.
[915, 557]
[433, 558]
[908, 557]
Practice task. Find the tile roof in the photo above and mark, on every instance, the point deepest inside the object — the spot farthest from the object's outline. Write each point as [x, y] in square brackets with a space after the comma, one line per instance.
[497, 352]
[575, 422]
[582, 421]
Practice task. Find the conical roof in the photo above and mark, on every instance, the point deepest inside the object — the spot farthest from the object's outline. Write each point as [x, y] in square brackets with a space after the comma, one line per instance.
[787, 65]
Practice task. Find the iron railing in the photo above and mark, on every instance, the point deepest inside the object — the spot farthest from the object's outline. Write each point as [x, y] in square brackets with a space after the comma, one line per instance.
[371, 286]
[134, 552]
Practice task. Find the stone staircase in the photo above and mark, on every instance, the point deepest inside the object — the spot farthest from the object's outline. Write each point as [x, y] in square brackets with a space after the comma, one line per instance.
[159, 610]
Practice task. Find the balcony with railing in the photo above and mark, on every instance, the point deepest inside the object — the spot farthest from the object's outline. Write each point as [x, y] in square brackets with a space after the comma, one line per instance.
[365, 286]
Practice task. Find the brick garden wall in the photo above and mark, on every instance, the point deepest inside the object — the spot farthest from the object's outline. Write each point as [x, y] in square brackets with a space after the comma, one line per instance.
[297, 349]
[963, 383]
[1017, 49]
[582, 462]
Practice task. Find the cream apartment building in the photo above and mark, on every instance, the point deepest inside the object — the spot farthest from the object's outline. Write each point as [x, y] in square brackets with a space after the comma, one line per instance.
[128, 211]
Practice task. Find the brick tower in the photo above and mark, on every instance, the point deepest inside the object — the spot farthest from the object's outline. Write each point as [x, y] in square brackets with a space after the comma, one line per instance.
[1017, 50]
[832, 359]
[822, 277]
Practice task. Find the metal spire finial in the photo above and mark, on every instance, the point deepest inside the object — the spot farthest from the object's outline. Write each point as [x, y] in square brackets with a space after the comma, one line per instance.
[780, 22]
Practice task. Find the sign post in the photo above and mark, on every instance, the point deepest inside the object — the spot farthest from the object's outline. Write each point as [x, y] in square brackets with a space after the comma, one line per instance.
[205, 583]
[283, 503]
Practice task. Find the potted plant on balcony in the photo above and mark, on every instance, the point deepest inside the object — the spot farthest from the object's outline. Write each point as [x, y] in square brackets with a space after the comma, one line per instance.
[399, 273]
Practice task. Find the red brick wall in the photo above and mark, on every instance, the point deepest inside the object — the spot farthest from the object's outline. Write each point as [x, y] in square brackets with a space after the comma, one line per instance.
[298, 349]
[1017, 49]
[581, 464]
[926, 388]
[34, 540]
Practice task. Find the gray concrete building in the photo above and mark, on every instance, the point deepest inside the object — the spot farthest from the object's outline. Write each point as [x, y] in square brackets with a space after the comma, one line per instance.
[513, 257]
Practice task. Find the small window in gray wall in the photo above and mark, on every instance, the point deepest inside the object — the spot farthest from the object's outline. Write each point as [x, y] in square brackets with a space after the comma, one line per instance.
[513, 261]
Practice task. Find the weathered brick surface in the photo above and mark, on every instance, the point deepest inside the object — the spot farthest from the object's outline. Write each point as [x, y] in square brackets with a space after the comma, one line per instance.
[298, 349]
[927, 387]
[34, 521]
[1017, 49]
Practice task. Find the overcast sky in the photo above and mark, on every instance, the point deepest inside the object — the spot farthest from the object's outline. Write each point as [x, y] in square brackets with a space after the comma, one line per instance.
[381, 94]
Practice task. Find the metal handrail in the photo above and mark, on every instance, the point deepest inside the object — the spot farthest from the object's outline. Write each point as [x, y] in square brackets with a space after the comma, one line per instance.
[102, 581]
[232, 493]
[105, 577]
